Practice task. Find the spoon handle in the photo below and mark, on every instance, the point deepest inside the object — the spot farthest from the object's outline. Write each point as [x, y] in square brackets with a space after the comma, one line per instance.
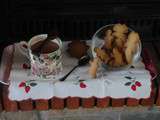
[63, 78]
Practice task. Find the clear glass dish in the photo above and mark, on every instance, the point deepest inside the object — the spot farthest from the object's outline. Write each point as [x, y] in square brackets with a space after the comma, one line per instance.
[98, 41]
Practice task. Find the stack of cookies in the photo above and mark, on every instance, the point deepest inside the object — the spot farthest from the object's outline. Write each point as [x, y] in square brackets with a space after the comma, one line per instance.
[119, 47]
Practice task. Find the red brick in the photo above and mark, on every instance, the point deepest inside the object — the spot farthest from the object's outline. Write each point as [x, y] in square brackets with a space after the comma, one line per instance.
[8, 104]
[158, 97]
[103, 102]
[149, 101]
[41, 105]
[88, 102]
[26, 105]
[132, 102]
[118, 102]
[73, 102]
[57, 103]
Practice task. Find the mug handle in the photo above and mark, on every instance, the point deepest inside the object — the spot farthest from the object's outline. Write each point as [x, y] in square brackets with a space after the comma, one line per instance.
[23, 48]
[58, 41]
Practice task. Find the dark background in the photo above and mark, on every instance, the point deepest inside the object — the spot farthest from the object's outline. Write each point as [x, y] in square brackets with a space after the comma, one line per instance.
[77, 19]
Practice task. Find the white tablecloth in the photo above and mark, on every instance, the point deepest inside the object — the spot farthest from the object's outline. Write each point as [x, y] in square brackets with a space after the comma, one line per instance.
[129, 83]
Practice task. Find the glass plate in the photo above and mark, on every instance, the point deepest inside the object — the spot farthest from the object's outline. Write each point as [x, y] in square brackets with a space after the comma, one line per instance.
[97, 41]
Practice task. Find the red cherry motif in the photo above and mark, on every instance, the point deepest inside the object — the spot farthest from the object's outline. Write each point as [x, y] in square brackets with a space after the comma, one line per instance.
[133, 87]
[26, 66]
[27, 89]
[82, 85]
[22, 84]
[138, 84]
[25, 46]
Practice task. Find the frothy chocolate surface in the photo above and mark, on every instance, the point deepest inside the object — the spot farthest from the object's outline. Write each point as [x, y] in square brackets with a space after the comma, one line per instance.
[41, 48]
[36, 47]
[49, 47]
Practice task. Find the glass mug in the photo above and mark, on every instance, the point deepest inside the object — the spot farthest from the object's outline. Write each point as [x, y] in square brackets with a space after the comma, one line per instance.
[46, 64]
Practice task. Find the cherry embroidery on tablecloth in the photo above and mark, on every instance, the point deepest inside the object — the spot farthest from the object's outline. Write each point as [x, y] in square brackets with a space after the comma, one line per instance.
[26, 66]
[27, 85]
[81, 83]
[133, 83]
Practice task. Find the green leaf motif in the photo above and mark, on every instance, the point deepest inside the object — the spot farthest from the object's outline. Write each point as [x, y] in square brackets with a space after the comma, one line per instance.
[43, 76]
[81, 80]
[128, 77]
[57, 57]
[41, 61]
[31, 80]
[75, 83]
[33, 84]
[53, 57]
[127, 83]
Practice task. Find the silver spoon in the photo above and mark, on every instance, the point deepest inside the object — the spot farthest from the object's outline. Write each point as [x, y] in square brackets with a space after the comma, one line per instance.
[81, 62]
[4, 83]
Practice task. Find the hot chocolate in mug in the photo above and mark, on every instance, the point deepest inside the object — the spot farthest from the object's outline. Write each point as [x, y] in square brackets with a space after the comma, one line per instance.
[45, 57]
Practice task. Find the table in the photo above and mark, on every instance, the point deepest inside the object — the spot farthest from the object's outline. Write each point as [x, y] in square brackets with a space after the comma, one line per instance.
[73, 103]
